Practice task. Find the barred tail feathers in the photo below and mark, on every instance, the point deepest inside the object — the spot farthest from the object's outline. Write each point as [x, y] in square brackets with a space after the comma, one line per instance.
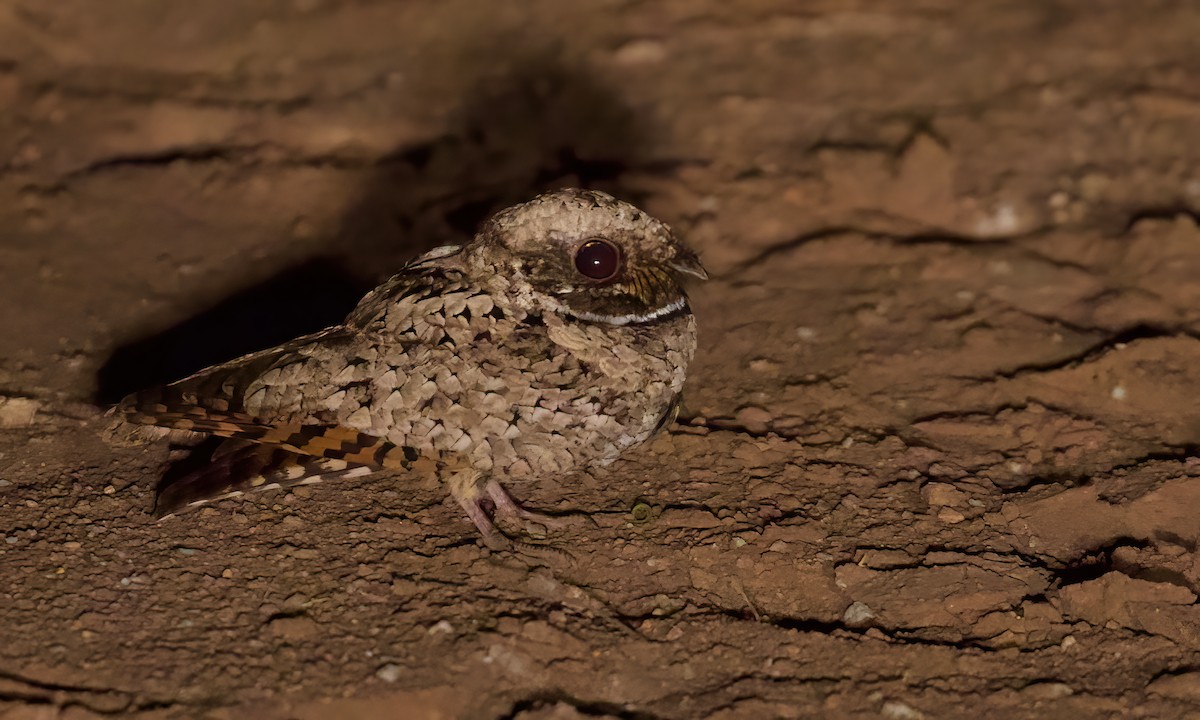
[335, 442]
[239, 467]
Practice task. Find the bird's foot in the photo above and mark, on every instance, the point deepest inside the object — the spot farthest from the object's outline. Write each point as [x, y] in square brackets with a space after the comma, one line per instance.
[474, 497]
[509, 511]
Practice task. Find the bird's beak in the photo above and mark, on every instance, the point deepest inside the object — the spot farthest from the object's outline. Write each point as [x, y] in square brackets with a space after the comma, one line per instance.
[688, 262]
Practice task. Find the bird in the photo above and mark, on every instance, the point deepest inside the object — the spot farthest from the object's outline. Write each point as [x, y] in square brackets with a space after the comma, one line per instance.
[554, 341]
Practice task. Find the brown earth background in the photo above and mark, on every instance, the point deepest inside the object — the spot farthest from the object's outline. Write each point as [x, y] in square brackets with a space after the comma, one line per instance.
[939, 457]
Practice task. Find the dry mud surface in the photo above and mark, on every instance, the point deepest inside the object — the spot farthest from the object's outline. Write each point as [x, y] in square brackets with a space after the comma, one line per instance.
[940, 452]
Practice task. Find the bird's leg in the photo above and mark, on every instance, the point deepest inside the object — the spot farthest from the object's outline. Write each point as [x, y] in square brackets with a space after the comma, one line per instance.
[464, 486]
[471, 492]
[508, 510]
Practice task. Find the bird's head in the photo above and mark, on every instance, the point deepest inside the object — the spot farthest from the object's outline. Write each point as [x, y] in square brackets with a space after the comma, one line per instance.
[588, 255]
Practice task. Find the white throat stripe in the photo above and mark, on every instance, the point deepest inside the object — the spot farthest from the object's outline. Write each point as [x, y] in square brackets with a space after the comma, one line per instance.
[631, 318]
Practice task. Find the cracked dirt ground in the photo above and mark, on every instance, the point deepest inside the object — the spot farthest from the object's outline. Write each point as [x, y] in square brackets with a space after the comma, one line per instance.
[939, 454]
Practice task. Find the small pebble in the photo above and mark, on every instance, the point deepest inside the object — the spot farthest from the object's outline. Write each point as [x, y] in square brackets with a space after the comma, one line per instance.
[641, 513]
[895, 710]
[858, 615]
[389, 673]
[755, 419]
[17, 412]
[1048, 690]
[640, 52]
[950, 516]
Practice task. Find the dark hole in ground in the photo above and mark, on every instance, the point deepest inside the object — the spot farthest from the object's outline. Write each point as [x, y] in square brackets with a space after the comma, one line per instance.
[1096, 563]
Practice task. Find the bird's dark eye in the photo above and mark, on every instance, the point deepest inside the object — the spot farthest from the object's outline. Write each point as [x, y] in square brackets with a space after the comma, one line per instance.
[598, 259]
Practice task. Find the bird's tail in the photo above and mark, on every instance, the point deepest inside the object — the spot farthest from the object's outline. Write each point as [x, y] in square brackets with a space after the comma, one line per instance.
[238, 467]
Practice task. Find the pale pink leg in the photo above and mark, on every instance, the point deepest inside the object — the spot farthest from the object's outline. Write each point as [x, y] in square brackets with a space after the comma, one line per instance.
[464, 486]
[508, 509]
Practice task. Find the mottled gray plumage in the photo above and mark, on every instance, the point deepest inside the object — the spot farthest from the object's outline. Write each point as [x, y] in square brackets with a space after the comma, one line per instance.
[500, 359]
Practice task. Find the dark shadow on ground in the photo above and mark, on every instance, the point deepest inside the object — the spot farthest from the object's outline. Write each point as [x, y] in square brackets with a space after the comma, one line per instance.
[527, 126]
[530, 125]
[297, 300]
